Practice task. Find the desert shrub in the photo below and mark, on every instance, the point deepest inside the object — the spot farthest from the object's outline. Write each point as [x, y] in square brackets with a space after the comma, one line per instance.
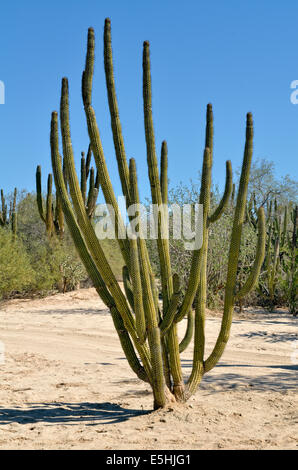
[218, 246]
[54, 262]
[16, 273]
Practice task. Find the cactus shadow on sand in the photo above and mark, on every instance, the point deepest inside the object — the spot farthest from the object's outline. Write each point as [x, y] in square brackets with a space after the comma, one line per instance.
[271, 337]
[279, 378]
[69, 414]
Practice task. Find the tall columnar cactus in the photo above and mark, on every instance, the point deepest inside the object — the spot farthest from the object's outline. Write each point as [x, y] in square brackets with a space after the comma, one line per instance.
[276, 261]
[147, 329]
[89, 197]
[290, 261]
[9, 218]
[53, 216]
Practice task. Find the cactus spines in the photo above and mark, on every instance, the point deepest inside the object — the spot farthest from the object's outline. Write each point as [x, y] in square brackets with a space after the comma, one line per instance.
[146, 328]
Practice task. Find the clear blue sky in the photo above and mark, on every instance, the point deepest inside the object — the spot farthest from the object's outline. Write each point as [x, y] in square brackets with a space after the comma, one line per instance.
[240, 56]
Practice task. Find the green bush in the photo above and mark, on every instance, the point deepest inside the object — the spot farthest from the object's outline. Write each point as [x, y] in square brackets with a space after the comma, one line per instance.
[218, 246]
[16, 273]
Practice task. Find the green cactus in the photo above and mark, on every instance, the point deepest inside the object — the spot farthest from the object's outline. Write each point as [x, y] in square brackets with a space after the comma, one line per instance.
[278, 263]
[147, 328]
[9, 218]
[53, 216]
[289, 261]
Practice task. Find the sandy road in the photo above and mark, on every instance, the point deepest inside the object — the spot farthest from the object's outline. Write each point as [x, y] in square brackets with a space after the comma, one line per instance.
[66, 384]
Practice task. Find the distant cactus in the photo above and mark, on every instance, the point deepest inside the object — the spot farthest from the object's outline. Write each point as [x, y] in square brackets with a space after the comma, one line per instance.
[52, 215]
[147, 329]
[278, 282]
[9, 218]
[290, 261]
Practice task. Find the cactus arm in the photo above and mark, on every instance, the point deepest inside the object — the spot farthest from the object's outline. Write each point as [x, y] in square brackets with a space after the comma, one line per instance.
[143, 373]
[189, 332]
[233, 193]
[197, 259]
[88, 160]
[166, 362]
[105, 182]
[127, 286]
[192, 286]
[83, 220]
[97, 183]
[247, 216]
[135, 265]
[197, 367]
[234, 251]
[97, 149]
[259, 258]
[268, 248]
[162, 243]
[135, 199]
[209, 130]
[154, 340]
[87, 78]
[83, 177]
[226, 196]
[14, 202]
[285, 226]
[90, 204]
[199, 336]
[114, 112]
[71, 218]
[137, 291]
[199, 348]
[49, 207]
[39, 194]
[172, 310]
[92, 193]
[164, 173]
[59, 216]
[4, 208]
[198, 255]
[146, 265]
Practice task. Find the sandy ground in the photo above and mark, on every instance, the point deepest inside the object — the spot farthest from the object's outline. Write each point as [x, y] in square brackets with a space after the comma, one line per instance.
[66, 385]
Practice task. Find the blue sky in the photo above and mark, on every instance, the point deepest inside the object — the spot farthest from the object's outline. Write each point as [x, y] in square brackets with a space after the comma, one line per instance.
[240, 56]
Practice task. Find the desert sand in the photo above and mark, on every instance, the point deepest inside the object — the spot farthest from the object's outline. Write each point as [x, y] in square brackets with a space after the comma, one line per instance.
[65, 383]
